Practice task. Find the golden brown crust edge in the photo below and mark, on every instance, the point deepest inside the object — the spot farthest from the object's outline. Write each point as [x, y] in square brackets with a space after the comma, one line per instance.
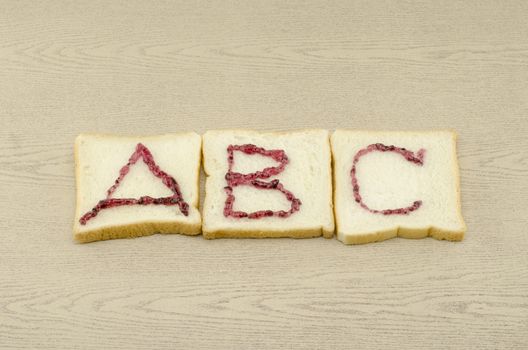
[264, 132]
[457, 186]
[230, 233]
[434, 232]
[329, 232]
[137, 230]
[378, 236]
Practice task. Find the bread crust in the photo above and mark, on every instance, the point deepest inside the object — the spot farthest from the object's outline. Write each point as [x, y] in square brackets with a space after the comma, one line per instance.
[236, 233]
[410, 233]
[138, 229]
[328, 232]
[405, 232]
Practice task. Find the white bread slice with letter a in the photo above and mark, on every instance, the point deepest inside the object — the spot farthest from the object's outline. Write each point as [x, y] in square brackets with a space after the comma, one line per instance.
[274, 184]
[136, 186]
[390, 184]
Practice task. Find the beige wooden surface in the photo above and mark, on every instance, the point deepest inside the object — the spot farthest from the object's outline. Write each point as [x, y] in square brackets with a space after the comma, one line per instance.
[147, 67]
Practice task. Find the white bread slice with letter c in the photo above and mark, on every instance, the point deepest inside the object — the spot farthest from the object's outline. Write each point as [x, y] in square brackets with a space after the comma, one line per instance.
[136, 186]
[390, 184]
[279, 184]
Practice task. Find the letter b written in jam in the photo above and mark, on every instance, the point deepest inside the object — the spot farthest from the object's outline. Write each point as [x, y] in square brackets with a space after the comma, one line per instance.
[254, 179]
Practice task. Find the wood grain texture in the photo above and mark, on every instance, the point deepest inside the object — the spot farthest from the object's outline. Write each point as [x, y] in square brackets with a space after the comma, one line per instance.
[143, 67]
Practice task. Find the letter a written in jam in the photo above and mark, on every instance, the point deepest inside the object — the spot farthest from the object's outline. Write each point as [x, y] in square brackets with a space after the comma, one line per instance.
[169, 181]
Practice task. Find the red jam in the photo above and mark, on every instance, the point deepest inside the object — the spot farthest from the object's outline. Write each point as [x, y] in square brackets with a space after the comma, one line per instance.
[143, 153]
[236, 179]
[408, 155]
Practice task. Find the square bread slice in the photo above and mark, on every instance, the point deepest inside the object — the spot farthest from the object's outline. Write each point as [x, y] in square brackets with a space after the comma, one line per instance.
[279, 184]
[390, 184]
[136, 186]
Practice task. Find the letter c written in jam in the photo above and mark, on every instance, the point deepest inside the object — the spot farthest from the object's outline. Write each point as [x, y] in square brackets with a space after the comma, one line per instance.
[417, 159]
[235, 179]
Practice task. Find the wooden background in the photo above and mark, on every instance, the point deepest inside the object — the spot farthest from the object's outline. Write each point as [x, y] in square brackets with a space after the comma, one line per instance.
[147, 67]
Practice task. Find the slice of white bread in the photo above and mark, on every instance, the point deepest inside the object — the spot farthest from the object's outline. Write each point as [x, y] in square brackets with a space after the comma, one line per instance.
[306, 175]
[425, 182]
[99, 161]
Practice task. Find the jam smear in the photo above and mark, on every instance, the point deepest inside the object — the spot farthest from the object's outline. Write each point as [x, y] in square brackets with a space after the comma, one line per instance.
[408, 155]
[252, 179]
[143, 153]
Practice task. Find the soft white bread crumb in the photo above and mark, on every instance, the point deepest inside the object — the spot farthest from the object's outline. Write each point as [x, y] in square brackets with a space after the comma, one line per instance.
[388, 181]
[98, 160]
[307, 176]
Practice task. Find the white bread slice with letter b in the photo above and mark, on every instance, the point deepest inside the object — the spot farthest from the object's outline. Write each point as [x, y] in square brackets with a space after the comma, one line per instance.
[390, 184]
[274, 184]
[136, 186]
